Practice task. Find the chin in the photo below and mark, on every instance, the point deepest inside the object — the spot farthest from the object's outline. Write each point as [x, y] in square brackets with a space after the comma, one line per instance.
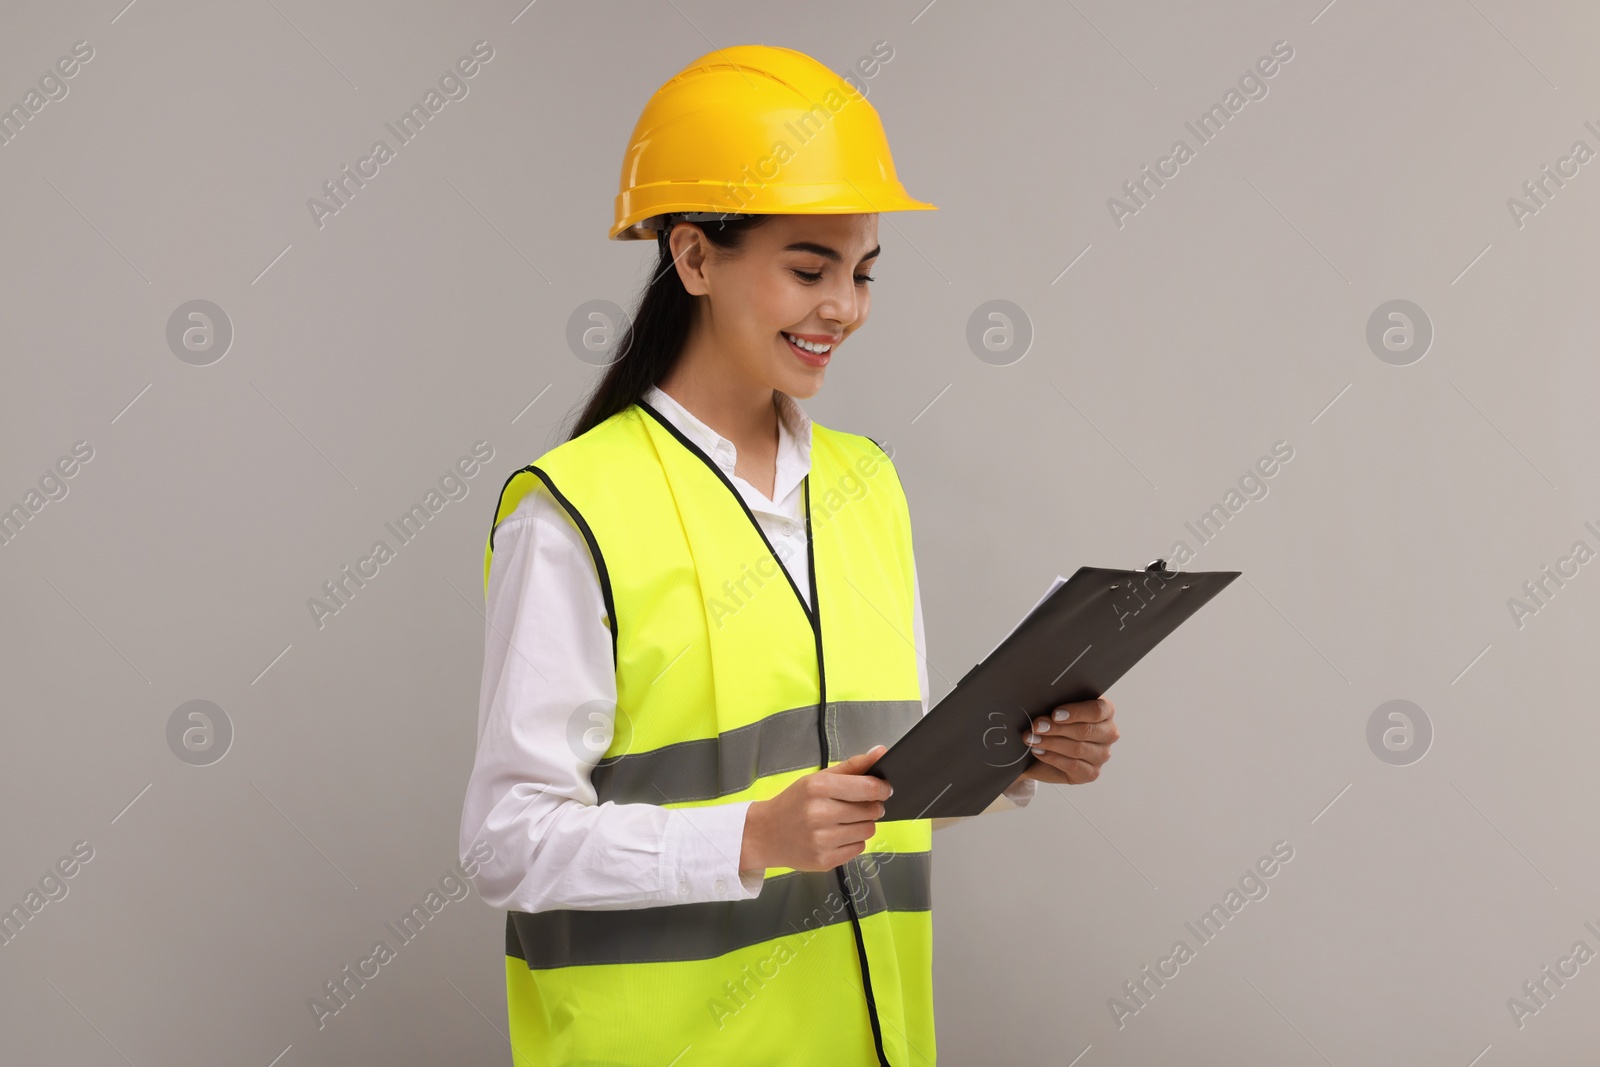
[806, 387]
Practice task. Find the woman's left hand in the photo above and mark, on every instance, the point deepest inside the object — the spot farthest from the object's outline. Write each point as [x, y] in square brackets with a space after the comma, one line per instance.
[1072, 742]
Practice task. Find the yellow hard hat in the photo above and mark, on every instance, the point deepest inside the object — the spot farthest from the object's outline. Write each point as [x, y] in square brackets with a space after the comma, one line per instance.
[755, 130]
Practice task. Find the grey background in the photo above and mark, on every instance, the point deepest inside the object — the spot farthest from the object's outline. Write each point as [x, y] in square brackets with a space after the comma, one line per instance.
[1228, 314]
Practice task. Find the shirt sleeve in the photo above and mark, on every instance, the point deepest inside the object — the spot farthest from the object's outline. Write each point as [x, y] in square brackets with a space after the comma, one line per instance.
[1016, 795]
[545, 714]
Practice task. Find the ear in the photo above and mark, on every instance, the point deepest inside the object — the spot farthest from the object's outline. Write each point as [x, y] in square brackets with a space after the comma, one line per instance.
[688, 246]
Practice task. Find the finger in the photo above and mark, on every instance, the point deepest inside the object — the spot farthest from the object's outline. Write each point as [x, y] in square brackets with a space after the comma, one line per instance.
[1099, 732]
[1084, 711]
[852, 787]
[858, 763]
[850, 779]
[1087, 751]
[1046, 772]
[1054, 740]
[848, 852]
[844, 812]
[1104, 731]
[1072, 771]
[860, 830]
[845, 834]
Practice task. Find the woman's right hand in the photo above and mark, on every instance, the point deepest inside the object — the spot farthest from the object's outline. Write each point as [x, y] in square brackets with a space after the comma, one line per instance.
[818, 822]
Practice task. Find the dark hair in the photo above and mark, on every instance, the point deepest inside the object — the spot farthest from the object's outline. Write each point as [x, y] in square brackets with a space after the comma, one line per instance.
[655, 336]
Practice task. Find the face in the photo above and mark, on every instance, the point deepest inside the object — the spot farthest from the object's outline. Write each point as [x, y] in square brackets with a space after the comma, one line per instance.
[806, 276]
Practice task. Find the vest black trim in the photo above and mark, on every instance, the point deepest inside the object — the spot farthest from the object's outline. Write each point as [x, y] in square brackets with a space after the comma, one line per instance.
[711, 767]
[789, 903]
[588, 535]
[844, 882]
[814, 614]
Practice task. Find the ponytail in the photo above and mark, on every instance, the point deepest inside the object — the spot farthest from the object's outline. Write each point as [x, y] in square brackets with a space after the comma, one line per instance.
[655, 337]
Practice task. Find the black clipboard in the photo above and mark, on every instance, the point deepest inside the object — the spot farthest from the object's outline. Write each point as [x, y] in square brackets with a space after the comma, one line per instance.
[1087, 632]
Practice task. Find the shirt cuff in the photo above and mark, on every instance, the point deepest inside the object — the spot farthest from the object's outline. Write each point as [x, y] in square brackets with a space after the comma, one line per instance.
[1016, 795]
[701, 855]
[1022, 792]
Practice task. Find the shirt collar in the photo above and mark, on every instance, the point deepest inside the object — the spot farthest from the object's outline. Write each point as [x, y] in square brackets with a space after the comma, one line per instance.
[794, 434]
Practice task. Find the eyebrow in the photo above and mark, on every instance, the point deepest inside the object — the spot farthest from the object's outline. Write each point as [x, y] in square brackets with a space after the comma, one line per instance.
[825, 252]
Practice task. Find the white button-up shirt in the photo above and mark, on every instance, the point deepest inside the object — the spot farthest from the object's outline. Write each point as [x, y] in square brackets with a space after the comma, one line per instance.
[547, 657]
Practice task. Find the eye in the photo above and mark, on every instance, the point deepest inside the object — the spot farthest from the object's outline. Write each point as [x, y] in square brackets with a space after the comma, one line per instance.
[814, 276]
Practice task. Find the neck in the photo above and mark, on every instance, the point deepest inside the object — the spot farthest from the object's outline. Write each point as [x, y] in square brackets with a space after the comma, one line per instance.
[744, 413]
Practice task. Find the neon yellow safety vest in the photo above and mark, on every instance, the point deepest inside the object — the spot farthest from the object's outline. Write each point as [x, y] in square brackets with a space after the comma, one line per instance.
[729, 688]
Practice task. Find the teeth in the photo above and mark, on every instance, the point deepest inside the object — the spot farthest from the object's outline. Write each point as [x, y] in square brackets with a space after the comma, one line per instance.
[807, 345]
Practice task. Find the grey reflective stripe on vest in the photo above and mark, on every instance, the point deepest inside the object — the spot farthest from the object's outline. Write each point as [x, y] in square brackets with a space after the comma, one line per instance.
[730, 763]
[792, 903]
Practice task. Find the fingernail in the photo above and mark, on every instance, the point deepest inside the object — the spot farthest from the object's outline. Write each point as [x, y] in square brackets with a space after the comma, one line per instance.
[1060, 716]
[1038, 752]
[1033, 739]
[891, 790]
[1043, 726]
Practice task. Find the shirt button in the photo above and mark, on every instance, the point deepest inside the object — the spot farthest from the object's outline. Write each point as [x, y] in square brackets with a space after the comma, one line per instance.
[722, 887]
[683, 889]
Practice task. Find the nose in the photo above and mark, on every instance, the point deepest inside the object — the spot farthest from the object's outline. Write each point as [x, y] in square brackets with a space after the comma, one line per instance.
[841, 302]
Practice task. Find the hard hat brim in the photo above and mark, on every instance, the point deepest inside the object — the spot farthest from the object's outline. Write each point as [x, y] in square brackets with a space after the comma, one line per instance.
[638, 206]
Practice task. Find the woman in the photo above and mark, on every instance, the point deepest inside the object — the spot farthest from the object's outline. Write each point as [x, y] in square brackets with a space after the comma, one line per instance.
[704, 625]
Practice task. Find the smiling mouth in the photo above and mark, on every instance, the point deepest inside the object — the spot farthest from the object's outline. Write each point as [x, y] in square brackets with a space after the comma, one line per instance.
[812, 359]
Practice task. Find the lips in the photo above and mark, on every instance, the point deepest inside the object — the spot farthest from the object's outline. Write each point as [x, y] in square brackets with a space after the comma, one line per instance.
[811, 359]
